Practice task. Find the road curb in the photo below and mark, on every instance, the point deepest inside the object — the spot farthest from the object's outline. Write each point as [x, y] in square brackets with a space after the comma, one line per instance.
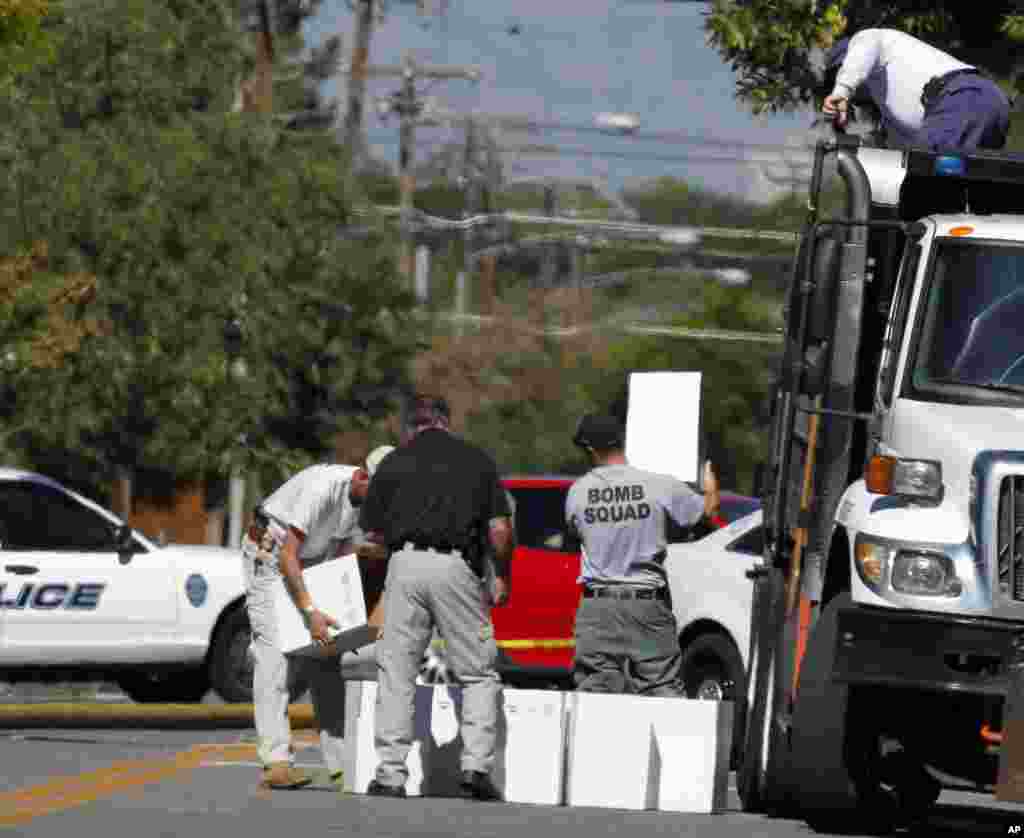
[194, 716]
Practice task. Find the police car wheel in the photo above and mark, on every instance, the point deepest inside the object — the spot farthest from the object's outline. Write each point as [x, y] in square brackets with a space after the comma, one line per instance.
[230, 664]
[184, 687]
[712, 669]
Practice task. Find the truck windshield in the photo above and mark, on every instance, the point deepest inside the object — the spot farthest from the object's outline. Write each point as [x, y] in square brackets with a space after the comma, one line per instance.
[973, 329]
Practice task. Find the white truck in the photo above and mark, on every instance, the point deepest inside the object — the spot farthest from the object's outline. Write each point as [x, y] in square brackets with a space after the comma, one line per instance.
[84, 597]
[890, 596]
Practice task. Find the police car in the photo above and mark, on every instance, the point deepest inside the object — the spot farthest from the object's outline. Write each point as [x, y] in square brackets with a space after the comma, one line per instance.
[83, 596]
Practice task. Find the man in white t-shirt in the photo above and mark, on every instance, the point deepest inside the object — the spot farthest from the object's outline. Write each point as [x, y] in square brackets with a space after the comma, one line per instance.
[926, 98]
[311, 517]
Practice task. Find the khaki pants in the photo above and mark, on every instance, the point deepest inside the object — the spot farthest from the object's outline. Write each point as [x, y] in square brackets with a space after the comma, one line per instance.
[627, 646]
[424, 590]
[274, 673]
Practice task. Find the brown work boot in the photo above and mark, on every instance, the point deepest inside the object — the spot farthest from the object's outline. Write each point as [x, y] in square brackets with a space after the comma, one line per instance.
[281, 775]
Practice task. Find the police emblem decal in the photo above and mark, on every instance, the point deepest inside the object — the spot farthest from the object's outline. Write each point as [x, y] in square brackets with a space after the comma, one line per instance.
[196, 589]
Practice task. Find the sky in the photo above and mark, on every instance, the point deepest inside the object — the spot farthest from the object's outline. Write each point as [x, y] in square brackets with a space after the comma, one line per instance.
[571, 60]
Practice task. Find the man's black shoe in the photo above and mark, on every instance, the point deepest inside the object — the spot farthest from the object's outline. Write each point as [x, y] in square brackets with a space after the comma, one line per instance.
[381, 790]
[476, 785]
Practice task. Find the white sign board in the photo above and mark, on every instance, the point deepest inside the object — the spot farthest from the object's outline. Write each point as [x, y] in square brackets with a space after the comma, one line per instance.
[337, 588]
[663, 423]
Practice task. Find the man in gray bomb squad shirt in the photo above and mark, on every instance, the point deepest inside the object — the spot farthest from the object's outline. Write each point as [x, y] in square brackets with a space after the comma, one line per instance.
[626, 633]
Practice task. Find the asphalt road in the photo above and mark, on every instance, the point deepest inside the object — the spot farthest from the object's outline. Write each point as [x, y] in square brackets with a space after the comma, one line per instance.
[143, 783]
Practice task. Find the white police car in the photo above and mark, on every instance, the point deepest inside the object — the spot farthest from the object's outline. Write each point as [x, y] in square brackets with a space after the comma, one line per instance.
[83, 596]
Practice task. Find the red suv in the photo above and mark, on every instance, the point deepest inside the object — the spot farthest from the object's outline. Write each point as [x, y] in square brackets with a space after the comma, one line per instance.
[535, 630]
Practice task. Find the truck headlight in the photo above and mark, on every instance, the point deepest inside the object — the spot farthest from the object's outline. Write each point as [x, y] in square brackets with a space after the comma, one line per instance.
[909, 478]
[924, 574]
[871, 558]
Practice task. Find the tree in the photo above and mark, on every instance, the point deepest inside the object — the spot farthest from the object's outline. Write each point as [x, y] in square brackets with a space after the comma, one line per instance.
[163, 217]
[771, 43]
[24, 40]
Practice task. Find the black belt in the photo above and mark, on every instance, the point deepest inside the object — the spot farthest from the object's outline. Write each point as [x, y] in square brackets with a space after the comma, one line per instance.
[936, 85]
[625, 593]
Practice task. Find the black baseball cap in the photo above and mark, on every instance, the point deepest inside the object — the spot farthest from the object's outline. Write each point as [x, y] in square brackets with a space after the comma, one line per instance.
[599, 430]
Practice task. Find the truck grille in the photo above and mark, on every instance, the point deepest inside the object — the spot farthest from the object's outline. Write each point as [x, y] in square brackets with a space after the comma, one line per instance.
[1010, 541]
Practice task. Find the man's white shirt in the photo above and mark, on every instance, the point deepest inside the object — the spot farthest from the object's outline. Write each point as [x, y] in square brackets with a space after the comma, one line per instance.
[316, 502]
[894, 67]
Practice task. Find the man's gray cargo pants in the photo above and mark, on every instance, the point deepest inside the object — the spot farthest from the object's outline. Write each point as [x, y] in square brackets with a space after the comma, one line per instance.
[427, 589]
[627, 646]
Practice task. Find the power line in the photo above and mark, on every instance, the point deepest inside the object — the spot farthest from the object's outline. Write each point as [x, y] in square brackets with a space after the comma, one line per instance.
[512, 123]
[771, 338]
[580, 151]
[554, 151]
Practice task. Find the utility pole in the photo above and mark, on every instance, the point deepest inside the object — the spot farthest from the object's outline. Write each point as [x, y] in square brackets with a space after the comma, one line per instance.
[408, 106]
[549, 266]
[353, 136]
[470, 205]
[257, 96]
[488, 268]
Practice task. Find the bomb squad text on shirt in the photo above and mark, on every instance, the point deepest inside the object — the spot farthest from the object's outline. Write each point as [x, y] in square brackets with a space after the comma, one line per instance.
[616, 503]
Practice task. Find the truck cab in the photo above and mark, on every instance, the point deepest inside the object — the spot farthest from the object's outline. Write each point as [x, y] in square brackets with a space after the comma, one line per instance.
[890, 596]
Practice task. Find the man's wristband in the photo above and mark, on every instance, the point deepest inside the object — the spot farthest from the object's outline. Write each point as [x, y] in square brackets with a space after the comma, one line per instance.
[307, 610]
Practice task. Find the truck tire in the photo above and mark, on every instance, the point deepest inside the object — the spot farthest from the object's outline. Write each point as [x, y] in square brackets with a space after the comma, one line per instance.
[835, 752]
[229, 662]
[712, 669]
[173, 687]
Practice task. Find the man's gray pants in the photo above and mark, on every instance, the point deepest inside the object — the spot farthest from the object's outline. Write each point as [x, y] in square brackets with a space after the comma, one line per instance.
[426, 589]
[627, 646]
[274, 673]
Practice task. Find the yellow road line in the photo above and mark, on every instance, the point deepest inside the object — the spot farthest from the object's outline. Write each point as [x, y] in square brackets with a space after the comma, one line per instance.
[23, 805]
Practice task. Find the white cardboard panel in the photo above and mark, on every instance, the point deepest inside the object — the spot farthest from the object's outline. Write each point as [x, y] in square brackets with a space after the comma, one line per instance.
[530, 749]
[663, 423]
[337, 589]
[634, 752]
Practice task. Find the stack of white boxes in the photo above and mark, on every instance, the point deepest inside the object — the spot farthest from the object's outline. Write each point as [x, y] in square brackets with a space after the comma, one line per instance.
[579, 749]
[530, 753]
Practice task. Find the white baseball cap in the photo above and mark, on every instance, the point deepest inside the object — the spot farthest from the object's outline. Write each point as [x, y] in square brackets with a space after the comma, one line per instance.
[374, 458]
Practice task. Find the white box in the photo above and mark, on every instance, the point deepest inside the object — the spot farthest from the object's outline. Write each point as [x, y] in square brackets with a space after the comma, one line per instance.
[530, 749]
[337, 589]
[635, 752]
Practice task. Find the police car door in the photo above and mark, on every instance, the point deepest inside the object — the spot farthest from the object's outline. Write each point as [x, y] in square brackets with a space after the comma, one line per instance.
[67, 595]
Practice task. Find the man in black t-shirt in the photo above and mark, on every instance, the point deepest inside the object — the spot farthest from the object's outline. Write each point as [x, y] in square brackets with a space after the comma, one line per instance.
[437, 505]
